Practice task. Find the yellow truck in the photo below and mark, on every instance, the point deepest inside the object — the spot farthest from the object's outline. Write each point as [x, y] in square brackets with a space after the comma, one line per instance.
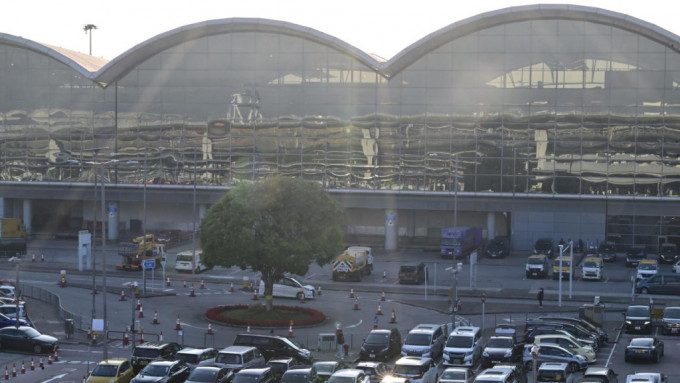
[12, 237]
[565, 261]
[353, 264]
[141, 249]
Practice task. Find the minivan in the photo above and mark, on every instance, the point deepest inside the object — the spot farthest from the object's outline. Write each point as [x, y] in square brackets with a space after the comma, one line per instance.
[463, 346]
[195, 357]
[544, 246]
[289, 287]
[274, 346]
[424, 340]
[659, 284]
[381, 344]
[670, 320]
[239, 357]
[638, 319]
[537, 266]
[647, 268]
[555, 372]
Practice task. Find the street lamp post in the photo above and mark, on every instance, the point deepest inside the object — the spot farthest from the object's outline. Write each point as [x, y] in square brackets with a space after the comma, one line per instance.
[17, 261]
[455, 270]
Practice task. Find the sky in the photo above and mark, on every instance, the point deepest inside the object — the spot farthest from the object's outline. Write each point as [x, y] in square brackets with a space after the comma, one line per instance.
[382, 27]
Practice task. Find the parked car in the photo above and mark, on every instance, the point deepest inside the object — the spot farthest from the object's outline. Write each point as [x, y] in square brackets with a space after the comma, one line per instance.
[195, 357]
[555, 372]
[554, 353]
[499, 247]
[670, 320]
[424, 340]
[491, 375]
[114, 370]
[457, 375]
[274, 346]
[515, 372]
[166, 371]
[414, 274]
[600, 374]
[280, 365]
[376, 371]
[646, 377]
[240, 357]
[607, 251]
[668, 253]
[348, 375]
[634, 255]
[501, 349]
[381, 344]
[650, 349]
[188, 260]
[299, 374]
[569, 343]
[210, 374]
[676, 267]
[537, 266]
[395, 379]
[6, 321]
[416, 369]
[254, 375]
[463, 347]
[545, 246]
[647, 268]
[603, 336]
[145, 353]
[324, 369]
[289, 287]
[659, 284]
[24, 338]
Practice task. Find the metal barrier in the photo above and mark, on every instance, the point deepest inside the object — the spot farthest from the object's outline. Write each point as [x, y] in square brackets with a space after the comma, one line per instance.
[49, 297]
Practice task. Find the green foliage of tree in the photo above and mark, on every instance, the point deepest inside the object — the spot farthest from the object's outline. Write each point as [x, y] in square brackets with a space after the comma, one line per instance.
[277, 226]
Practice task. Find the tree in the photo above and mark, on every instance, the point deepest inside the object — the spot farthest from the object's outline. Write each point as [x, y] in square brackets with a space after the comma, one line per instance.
[277, 226]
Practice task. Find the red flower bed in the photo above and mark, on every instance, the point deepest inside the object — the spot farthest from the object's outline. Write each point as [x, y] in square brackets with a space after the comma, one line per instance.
[215, 314]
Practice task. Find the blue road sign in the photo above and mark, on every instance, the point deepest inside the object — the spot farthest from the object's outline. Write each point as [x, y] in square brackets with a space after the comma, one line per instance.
[149, 264]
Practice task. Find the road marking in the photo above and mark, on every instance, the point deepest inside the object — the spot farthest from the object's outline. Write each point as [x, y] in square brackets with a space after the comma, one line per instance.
[356, 324]
[54, 378]
[611, 354]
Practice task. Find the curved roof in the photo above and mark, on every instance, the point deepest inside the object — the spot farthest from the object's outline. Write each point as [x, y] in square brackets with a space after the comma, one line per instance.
[115, 69]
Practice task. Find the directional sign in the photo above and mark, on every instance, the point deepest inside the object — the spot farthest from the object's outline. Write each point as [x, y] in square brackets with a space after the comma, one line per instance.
[149, 264]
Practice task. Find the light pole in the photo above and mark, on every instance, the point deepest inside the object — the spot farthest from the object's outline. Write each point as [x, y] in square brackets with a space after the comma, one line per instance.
[88, 28]
[17, 261]
[534, 361]
[455, 270]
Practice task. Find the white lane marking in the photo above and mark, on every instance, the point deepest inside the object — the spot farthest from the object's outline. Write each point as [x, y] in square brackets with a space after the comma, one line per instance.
[54, 378]
[611, 354]
[356, 324]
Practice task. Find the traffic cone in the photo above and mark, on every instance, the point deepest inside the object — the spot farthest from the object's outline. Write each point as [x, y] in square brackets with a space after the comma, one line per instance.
[139, 304]
[41, 364]
[56, 356]
[63, 282]
[382, 297]
[14, 370]
[94, 290]
[49, 359]
[318, 291]
[178, 326]
[141, 312]
[379, 312]
[155, 317]
[122, 295]
[167, 282]
[202, 284]
[231, 287]
[23, 367]
[384, 275]
[141, 337]
[209, 328]
[192, 293]
[290, 329]
[302, 298]
[351, 293]
[255, 295]
[6, 373]
[32, 364]
[393, 319]
[356, 304]
[160, 337]
[248, 328]
[126, 339]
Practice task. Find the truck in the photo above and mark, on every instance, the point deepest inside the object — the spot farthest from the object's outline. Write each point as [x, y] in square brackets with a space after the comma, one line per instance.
[459, 242]
[353, 264]
[12, 237]
[143, 248]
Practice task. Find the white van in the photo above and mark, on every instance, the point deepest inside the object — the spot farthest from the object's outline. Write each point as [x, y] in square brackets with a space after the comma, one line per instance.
[289, 287]
[184, 262]
[463, 347]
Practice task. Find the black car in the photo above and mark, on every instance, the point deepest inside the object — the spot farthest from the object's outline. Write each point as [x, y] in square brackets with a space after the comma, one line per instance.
[166, 371]
[299, 375]
[501, 349]
[416, 274]
[209, 374]
[638, 319]
[280, 365]
[381, 344]
[24, 338]
[325, 369]
[634, 255]
[254, 375]
[668, 253]
[145, 353]
[498, 247]
[607, 251]
[650, 349]
[545, 246]
[272, 346]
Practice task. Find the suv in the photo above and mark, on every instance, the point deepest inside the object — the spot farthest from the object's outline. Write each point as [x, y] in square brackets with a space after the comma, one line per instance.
[239, 357]
[591, 269]
[463, 347]
[554, 372]
[647, 268]
[274, 346]
[143, 354]
[634, 255]
[197, 356]
[499, 247]
[163, 371]
[638, 319]
[668, 253]
[544, 246]
[416, 273]
[416, 369]
[501, 349]
[381, 344]
[424, 340]
[537, 266]
[670, 321]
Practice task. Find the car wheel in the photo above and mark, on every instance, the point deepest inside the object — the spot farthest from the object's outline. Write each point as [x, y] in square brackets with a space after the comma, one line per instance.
[573, 366]
[37, 349]
[299, 295]
[644, 290]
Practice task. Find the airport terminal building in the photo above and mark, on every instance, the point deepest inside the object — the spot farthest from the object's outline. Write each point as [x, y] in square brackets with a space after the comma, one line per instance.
[536, 121]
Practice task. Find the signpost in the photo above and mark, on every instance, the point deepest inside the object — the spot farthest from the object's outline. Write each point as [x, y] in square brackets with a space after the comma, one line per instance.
[147, 264]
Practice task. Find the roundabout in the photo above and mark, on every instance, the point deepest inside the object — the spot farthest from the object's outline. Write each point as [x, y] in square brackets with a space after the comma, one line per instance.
[256, 315]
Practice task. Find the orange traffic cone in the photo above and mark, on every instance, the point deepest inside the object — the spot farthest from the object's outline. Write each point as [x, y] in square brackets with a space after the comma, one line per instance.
[122, 295]
[192, 294]
[56, 356]
[155, 317]
[231, 287]
[202, 284]
[14, 370]
[141, 337]
[63, 282]
[167, 282]
[394, 316]
[290, 329]
[382, 297]
[139, 304]
[23, 367]
[6, 373]
[356, 304]
[141, 312]
[178, 326]
[351, 293]
[379, 312]
[41, 364]
[126, 339]
[318, 291]
[49, 359]
[209, 328]
[32, 364]
[255, 295]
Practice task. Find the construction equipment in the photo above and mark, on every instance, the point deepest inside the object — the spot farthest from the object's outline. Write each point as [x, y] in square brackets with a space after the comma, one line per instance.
[139, 250]
[12, 237]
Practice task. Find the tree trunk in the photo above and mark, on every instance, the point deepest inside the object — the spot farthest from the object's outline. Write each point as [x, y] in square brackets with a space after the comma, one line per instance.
[268, 293]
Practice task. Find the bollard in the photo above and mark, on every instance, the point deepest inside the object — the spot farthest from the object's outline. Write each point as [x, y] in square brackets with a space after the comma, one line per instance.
[155, 317]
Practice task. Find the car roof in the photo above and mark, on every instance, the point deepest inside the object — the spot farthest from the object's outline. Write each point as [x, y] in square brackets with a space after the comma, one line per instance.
[253, 371]
[552, 366]
[369, 364]
[152, 345]
[538, 256]
[351, 372]
[194, 351]
[237, 349]
[596, 371]
[413, 360]
[164, 362]
[465, 330]
[299, 370]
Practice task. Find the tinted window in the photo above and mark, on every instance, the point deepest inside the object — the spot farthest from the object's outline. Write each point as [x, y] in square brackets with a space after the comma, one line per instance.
[418, 339]
[377, 338]
[459, 341]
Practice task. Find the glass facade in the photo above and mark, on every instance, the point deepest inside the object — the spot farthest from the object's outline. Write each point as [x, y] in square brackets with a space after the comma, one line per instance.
[562, 107]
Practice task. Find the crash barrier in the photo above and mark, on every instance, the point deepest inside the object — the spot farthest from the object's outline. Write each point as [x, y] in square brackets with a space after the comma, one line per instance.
[79, 322]
[138, 336]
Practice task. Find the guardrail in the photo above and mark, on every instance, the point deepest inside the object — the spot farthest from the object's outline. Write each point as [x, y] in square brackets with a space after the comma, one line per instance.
[79, 322]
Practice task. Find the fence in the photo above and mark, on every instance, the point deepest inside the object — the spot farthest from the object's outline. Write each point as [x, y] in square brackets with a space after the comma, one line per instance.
[79, 322]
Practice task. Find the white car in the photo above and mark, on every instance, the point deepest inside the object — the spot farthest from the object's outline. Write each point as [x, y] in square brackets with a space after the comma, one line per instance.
[289, 287]
[417, 369]
[676, 267]
[184, 262]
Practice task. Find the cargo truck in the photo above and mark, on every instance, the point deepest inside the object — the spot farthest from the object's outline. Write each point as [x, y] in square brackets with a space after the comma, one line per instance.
[353, 264]
[141, 249]
[12, 237]
[459, 242]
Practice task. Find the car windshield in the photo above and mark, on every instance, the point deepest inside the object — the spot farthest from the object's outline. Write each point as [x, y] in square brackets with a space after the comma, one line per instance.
[246, 378]
[607, 248]
[451, 241]
[189, 358]
[496, 244]
[31, 332]
[641, 342]
[418, 339]
[339, 379]
[591, 264]
[635, 252]
[407, 269]
[459, 341]
[104, 370]
[647, 266]
[535, 261]
[324, 367]
[543, 244]
[637, 311]
[185, 258]
[278, 366]
[227, 358]
[155, 370]
[406, 369]
[203, 375]
[294, 378]
[672, 313]
[564, 263]
[453, 375]
[377, 338]
[499, 343]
